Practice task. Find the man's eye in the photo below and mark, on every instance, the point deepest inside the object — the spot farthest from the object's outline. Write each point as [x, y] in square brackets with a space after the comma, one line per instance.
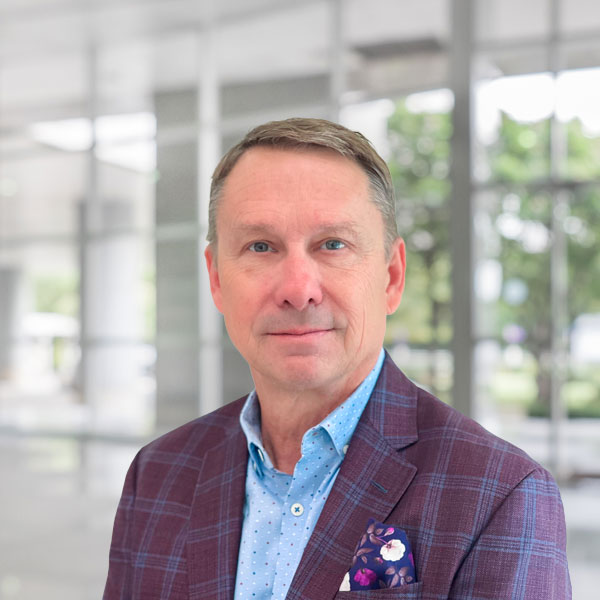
[260, 247]
[334, 245]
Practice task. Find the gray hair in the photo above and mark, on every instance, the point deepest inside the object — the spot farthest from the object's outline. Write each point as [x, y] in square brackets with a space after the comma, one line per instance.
[302, 133]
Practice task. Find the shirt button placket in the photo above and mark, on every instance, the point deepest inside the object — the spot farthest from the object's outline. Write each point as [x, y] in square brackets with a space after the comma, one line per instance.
[293, 524]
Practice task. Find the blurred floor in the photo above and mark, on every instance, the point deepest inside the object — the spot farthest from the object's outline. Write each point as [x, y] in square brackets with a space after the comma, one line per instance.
[59, 496]
[58, 501]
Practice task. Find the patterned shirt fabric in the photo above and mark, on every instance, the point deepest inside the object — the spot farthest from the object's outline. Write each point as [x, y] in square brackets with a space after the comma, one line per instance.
[282, 510]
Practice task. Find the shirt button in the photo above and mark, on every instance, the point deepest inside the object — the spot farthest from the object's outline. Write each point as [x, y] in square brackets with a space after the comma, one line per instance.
[345, 448]
[260, 453]
[297, 509]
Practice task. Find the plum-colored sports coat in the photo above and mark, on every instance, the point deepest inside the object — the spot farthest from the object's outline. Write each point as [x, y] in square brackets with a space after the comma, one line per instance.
[483, 519]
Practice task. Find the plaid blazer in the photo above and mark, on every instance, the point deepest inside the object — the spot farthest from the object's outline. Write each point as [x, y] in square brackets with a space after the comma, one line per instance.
[483, 519]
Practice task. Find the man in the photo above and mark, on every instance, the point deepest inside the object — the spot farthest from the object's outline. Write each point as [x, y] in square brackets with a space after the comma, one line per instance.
[337, 477]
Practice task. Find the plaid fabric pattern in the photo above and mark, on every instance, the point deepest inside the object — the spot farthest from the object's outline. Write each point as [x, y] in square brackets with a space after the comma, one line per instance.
[177, 529]
[484, 520]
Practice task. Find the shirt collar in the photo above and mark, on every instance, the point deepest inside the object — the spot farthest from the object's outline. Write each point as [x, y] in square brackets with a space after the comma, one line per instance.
[250, 422]
[341, 422]
[338, 424]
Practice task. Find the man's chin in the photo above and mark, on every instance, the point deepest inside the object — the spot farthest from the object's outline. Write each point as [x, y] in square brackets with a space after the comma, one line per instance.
[300, 372]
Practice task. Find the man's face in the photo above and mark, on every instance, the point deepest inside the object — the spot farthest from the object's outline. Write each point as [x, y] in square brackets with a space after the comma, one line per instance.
[300, 272]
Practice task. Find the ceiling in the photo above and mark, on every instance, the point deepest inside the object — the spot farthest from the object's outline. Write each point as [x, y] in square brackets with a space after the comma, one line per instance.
[53, 52]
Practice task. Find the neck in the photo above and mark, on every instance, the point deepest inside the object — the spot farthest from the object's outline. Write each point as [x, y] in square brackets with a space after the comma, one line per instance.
[287, 413]
[285, 420]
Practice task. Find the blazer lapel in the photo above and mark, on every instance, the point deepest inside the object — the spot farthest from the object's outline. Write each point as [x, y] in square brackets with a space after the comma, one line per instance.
[371, 482]
[216, 520]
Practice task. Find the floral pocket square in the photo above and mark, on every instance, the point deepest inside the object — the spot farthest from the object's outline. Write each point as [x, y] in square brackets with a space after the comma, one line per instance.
[382, 559]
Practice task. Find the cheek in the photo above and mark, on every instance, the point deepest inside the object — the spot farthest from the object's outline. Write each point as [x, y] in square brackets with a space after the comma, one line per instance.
[238, 322]
[244, 297]
[236, 300]
[363, 298]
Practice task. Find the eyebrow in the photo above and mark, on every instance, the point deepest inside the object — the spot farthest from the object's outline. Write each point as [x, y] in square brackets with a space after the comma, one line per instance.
[346, 227]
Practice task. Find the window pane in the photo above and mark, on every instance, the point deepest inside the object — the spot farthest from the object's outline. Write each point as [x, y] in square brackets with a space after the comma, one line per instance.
[582, 390]
[512, 128]
[420, 332]
[578, 98]
[513, 319]
[39, 313]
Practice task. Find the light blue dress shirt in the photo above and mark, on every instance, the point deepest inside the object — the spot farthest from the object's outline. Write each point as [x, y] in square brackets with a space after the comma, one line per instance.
[281, 510]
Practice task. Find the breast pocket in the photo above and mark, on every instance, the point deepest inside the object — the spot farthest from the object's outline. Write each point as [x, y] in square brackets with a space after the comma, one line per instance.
[412, 590]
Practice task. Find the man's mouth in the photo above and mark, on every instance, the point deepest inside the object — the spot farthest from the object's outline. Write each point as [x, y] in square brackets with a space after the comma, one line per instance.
[299, 332]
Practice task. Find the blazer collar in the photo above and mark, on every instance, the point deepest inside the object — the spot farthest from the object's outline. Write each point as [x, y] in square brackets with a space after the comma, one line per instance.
[372, 480]
[392, 408]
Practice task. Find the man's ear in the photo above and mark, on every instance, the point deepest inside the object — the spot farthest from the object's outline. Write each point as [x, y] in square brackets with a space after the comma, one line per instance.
[213, 276]
[396, 269]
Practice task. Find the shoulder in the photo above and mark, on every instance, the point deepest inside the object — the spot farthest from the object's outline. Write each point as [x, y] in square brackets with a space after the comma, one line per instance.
[491, 479]
[443, 440]
[185, 446]
[470, 449]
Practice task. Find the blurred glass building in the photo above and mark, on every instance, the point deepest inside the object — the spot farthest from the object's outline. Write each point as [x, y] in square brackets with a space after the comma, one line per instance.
[113, 115]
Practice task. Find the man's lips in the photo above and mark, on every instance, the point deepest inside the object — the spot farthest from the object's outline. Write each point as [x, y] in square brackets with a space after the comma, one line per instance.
[298, 332]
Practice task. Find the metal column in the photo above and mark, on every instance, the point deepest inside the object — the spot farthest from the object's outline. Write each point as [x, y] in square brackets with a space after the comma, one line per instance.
[84, 228]
[336, 75]
[461, 222]
[558, 268]
[210, 323]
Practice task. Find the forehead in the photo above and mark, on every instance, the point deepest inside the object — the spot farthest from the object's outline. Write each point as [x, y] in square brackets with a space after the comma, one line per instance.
[264, 173]
[297, 193]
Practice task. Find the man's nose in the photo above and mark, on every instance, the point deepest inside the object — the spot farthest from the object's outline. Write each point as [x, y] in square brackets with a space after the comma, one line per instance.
[298, 282]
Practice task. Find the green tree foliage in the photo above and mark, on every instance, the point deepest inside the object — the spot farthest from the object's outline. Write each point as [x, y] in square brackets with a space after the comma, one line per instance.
[583, 154]
[521, 151]
[583, 228]
[521, 213]
[419, 164]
